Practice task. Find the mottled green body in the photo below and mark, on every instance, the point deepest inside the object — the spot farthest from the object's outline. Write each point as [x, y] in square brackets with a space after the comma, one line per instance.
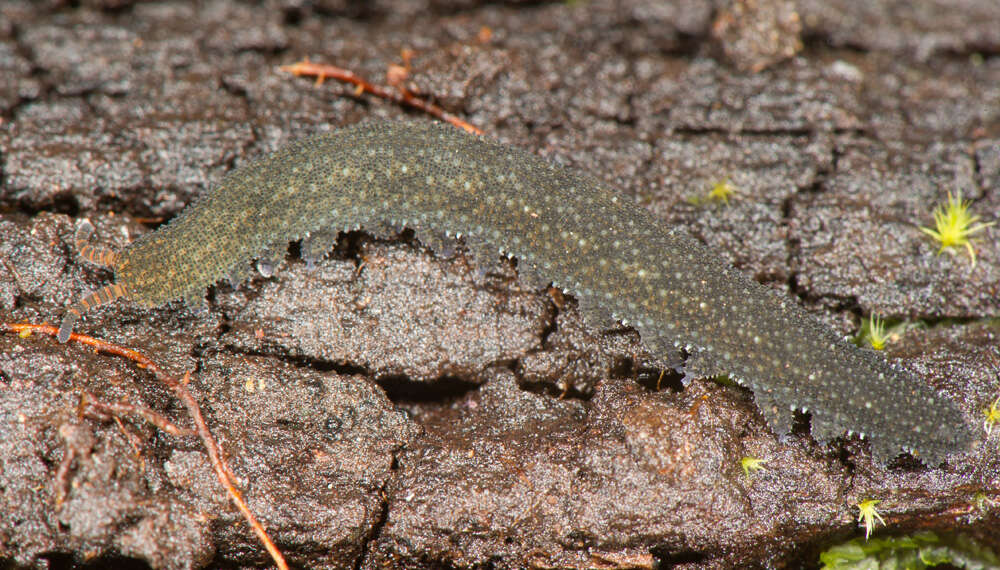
[563, 227]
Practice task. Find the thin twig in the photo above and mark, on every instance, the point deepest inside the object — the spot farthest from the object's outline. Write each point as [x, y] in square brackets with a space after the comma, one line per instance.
[91, 402]
[61, 476]
[179, 386]
[402, 96]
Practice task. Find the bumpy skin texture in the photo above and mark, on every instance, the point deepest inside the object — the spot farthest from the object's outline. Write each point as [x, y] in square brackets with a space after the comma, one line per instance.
[564, 227]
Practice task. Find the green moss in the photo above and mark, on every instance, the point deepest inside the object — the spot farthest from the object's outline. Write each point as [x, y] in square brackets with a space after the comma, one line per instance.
[913, 552]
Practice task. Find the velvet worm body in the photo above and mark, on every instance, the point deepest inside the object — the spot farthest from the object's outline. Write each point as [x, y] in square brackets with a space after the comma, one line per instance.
[564, 227]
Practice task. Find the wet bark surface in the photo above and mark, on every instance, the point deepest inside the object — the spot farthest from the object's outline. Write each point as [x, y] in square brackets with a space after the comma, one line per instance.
[401, 407]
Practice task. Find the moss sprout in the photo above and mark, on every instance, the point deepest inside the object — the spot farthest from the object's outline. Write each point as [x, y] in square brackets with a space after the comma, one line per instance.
[983, 502]
[720, 191]
[869, 515]
[992, 416]
[752, 465]
[873, 333]
[954, 226]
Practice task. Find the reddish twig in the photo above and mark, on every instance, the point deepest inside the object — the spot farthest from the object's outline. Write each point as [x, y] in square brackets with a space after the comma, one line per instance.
[179, 386]
[402, 96]
[91, 402]
[133, 440]
[61, 476]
